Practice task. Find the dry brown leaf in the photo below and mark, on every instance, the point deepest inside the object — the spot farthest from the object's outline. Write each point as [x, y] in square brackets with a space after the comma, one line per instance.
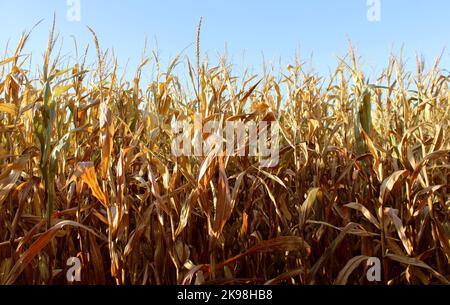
[307, 206]
[401, 231]
[37, 246]
[86, 171]
[9, 177]
[186, 211]
[8, 108]
[418, 263]
[388, 184]
[106, 137]
[351, 265]
[365, 212]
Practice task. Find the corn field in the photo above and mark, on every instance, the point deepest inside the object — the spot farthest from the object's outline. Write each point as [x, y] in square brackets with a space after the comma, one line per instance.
[87, 171]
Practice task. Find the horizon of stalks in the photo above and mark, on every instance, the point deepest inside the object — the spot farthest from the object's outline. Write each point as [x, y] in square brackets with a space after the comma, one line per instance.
[86, 170]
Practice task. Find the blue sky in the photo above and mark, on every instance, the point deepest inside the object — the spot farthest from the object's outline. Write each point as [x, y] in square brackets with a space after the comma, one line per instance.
[247, 28]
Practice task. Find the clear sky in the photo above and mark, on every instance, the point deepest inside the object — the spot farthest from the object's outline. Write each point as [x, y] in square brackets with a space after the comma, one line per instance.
[248, 29]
